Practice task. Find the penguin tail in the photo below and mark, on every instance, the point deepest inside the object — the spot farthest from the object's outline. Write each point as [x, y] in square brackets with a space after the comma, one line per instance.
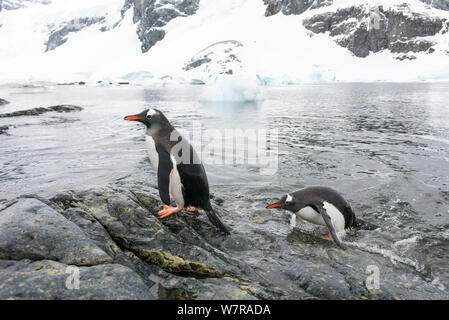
[365, 225]
[213, 218]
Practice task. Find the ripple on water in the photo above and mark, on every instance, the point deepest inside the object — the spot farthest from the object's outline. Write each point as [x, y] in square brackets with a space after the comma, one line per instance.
[383, 146]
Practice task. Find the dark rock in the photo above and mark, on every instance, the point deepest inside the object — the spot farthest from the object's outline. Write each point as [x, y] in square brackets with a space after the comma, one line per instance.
[180, 257]
[29, 229]
[18, 4]
[364, 29]
[410, 46]
[4, 129]
[3, 101]
[288, 7]
[41, 110]
[58, 35]
[151, 16]
[405, 57]
[219, 58]
[46, 280]
[439, 4]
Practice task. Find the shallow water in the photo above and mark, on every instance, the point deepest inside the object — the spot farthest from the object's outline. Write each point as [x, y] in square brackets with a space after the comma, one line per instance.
[385, 147]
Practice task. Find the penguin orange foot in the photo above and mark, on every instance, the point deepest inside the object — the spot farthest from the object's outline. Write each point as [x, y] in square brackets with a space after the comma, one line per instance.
[327, 237]
[191, 209]
[167, 211]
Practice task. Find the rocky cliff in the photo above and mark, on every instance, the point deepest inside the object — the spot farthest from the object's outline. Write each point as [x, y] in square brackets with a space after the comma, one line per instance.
[58, 34]
[363, 29]
[152, 15]
[367, 28]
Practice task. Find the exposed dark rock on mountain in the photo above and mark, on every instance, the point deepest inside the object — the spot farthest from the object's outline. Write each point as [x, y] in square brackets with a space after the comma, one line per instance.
[3, 101]
[366, 28]
[18, 4]
[219, 58]
[363, 30]
[4, 130]
[58, 36]
[293, 6]
[152, 15]
[41, 110]
[123, 251]
[439, 4]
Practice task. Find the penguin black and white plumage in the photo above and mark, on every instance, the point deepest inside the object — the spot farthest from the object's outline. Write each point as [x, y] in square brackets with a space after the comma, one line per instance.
[180, 173]
[322, 206]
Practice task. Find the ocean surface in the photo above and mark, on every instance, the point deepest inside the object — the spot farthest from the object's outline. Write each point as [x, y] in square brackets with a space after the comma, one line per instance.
[384, 146]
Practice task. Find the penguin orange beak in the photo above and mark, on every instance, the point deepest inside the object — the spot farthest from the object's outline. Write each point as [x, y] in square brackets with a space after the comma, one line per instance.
[133, 118]
[275, 205]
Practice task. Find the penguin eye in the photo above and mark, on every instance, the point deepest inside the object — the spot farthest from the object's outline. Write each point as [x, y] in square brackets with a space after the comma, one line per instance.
[148, 116]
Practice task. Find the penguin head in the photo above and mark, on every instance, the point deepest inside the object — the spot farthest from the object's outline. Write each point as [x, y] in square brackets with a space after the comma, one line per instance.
[152, 118]
[287, 202]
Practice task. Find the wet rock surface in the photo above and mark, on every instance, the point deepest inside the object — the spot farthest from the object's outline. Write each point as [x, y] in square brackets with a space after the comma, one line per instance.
[124, 251]
[41, 110]
[47, 279]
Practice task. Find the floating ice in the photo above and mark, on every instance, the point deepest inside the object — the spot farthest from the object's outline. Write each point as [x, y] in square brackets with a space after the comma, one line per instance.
[232, 89]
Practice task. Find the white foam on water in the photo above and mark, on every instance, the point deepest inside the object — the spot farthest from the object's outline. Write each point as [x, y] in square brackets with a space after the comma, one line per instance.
[408, 241]
[392, 256]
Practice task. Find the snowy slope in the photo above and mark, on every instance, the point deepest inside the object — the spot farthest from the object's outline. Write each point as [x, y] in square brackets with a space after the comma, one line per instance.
[277, 49]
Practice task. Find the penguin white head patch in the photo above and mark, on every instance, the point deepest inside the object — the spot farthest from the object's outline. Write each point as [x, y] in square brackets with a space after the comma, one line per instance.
[151, 112]
[289, 198]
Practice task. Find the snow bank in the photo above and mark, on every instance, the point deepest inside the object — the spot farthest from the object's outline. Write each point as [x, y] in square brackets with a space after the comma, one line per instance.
[276, 50]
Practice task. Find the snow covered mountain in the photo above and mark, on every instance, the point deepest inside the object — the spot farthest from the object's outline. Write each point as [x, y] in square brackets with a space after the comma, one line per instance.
[274, 41]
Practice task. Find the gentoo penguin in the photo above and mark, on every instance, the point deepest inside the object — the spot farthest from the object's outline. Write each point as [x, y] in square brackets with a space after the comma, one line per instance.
[180, 174]
[322, 206]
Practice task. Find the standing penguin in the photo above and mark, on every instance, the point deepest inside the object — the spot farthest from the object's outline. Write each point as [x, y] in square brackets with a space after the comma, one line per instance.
[180, 173]
[322, 206]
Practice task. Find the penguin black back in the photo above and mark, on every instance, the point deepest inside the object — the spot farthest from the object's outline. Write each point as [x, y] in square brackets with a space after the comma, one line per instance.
[326, 194]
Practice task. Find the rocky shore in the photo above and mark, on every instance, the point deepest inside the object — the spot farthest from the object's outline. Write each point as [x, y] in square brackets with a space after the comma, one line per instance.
[119, 248]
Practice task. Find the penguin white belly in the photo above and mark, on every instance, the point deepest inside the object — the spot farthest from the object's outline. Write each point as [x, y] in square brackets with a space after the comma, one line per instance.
[309, 214]
[152, 153]
[175, 186]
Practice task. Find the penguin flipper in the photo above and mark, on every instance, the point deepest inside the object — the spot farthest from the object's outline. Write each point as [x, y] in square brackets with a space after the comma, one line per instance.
[163, 174]
[327, 219]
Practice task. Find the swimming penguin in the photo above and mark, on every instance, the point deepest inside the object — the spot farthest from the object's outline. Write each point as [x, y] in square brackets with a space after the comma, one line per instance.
[322, 206]
[180, 173]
